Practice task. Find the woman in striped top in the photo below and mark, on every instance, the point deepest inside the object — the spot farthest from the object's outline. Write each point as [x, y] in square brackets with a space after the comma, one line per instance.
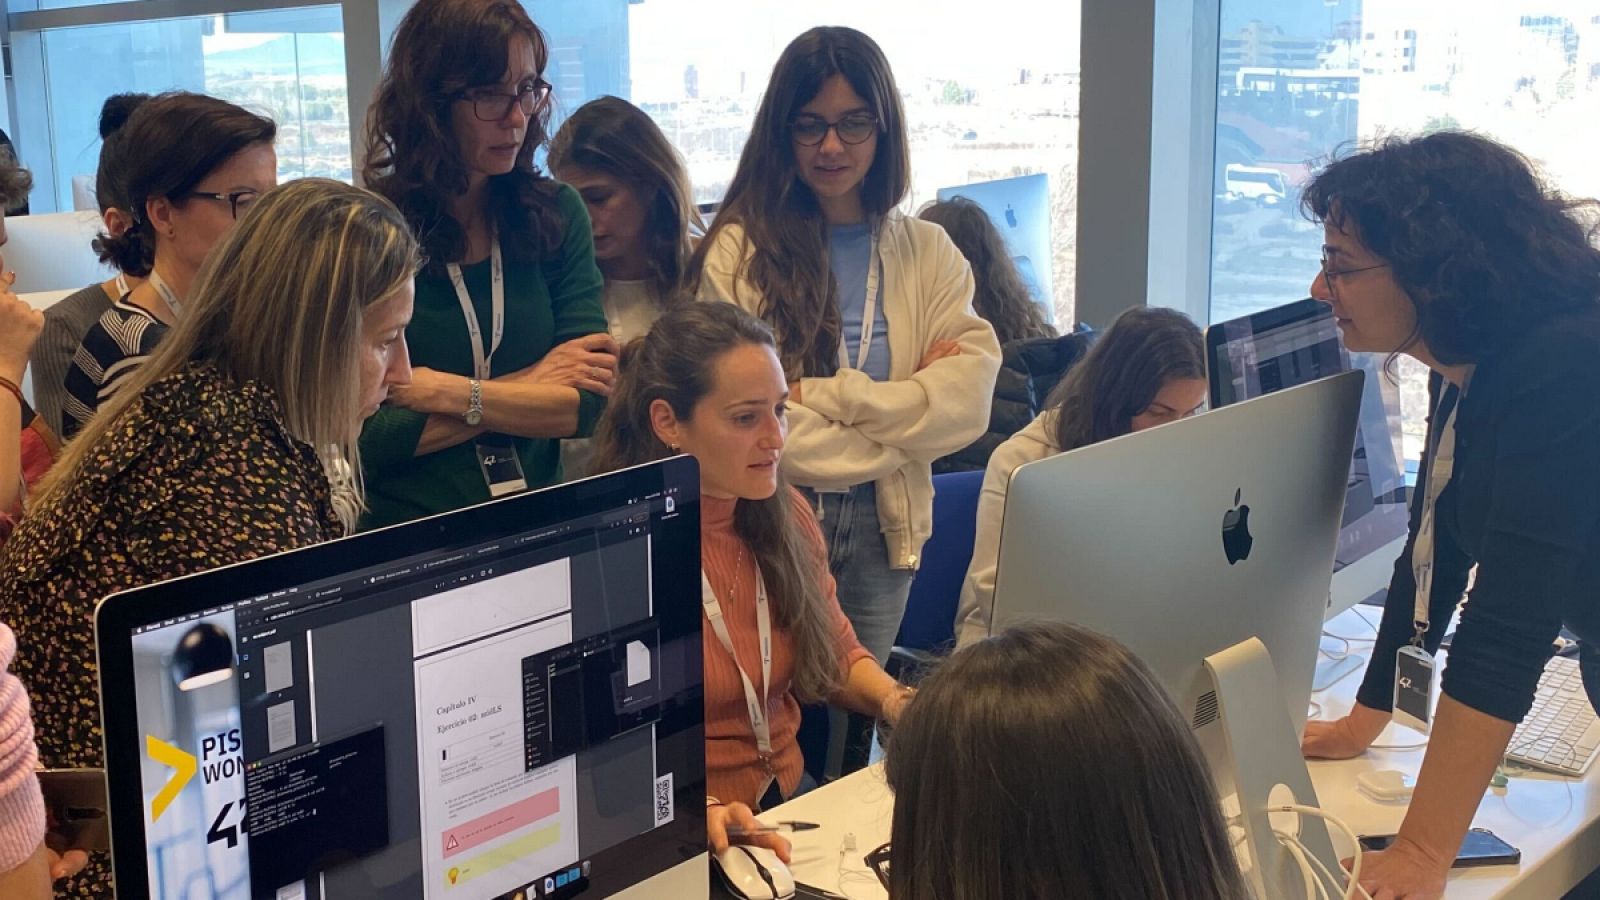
[194, 164]
[707, 381]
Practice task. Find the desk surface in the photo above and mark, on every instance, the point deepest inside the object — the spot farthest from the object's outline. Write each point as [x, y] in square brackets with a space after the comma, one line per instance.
[1554, 821]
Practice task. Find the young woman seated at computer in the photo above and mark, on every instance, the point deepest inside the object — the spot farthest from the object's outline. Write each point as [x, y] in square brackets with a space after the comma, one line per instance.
[1146, 370]
[1452, 250]
[1048, 762]
[707, 381]
[236, 440]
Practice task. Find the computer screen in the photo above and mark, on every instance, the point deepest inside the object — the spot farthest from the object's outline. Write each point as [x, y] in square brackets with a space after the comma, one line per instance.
[503, 702]
[1019, 209]
[1299, 343]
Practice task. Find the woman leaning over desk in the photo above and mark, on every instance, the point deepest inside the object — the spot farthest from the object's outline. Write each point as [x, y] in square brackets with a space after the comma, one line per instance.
[1451, 250]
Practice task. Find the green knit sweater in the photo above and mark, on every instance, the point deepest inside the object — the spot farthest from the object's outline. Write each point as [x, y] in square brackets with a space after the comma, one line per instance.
[546, 304]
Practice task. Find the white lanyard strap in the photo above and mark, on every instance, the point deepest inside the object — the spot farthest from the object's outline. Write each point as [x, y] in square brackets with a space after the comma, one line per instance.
[166, 292]
[497, 293]
[1441, 466]
[122, 285]
[755, 704]
[869, 310]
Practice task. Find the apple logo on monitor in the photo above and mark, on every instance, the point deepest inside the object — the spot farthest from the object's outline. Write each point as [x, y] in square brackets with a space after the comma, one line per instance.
[1236, 539]
[1011, 216]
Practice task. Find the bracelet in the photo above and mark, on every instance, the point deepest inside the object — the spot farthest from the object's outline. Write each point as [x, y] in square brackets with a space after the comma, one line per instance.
[16, 391]
[712, 801]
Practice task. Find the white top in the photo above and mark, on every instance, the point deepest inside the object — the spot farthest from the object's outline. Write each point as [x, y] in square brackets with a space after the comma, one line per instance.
[849, 429]
[631, 308]
[1035, 442]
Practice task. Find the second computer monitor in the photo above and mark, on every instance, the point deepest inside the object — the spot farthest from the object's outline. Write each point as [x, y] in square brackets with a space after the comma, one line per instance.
[1187, 539]
[1019, 208]
[1298, 343]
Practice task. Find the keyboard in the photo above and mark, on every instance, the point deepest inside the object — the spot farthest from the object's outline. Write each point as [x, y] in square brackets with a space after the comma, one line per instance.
[1560, 733]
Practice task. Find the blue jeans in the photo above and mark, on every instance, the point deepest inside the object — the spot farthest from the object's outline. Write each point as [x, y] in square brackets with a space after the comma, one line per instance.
[872, 595]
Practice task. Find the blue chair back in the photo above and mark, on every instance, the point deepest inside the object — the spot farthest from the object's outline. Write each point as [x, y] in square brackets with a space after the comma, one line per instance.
[929, 623]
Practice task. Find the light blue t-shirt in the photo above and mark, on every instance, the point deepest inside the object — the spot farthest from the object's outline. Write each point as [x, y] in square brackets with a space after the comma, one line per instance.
[849, 255]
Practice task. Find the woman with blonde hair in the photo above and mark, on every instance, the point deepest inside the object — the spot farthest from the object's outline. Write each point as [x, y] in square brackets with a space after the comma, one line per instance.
[232, 442]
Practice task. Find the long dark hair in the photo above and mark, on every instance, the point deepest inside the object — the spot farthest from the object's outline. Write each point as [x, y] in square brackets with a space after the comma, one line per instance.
[1048, 762]
[169, 144]
[677, 362]
[780, 216]
[441, 48]
[613, 136]
[1000, 295]
[1120, 376]
[1485, 250]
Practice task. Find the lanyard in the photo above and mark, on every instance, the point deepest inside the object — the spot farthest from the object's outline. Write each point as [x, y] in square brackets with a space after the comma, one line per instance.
[497, 293]
[166, 292]
[1441, 466]
[122, 285]
[869, 311]
[756, 704]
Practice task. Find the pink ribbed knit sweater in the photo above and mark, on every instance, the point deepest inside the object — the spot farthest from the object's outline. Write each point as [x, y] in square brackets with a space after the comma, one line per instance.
[21, 807]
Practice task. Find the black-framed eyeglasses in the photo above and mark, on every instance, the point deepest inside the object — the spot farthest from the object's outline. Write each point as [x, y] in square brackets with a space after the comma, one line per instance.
[855, 128]
[1331, 276]
[878, 862]
[238, 201]
[492, 106]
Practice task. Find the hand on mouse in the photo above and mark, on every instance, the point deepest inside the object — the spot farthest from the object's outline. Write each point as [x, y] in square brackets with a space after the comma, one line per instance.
[720, 815]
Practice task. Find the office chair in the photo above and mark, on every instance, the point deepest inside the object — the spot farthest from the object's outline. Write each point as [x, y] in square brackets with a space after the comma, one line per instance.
[928, 629]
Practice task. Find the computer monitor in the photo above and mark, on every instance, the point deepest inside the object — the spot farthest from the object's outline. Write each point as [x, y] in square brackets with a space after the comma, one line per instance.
[1298, 343]
[1191, 541]
[1020, 209]
[501, 702]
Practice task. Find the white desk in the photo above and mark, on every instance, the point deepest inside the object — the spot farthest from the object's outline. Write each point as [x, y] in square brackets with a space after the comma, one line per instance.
[1554, 821]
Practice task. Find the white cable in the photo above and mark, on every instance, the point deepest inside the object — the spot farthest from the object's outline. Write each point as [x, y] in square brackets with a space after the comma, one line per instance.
[1354, 888]
[1313, 882]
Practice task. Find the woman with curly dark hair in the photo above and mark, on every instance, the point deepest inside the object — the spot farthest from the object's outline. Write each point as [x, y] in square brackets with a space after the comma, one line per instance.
[1450, 249]
[509, 340]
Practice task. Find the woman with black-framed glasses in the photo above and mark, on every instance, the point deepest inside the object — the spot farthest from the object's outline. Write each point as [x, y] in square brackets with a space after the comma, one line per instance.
[509, 343]
[191, 166]
[889, 367]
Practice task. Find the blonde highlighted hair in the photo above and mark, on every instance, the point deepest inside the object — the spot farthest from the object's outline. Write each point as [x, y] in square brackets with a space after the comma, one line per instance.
[280, 301]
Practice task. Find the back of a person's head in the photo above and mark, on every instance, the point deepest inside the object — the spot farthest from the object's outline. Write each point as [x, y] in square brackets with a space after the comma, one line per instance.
[999, 294]
[168, 145]
[1483, 246]
[115, 111]
[612, 137]
[1048, 762]
[1120, 376]
[15, 183]
[279, 301]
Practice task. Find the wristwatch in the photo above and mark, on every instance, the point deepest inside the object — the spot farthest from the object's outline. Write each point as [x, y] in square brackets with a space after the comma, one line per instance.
[474, 413]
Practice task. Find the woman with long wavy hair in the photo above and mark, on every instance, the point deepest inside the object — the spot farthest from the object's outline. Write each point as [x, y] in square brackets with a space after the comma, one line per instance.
[509, 339]
[706, 381]
[889, 369]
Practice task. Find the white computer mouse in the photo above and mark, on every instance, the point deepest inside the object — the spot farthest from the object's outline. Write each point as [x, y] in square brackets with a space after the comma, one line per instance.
[755, 873]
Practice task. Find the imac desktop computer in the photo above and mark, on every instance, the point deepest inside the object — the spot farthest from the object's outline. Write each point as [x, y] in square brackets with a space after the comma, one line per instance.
[500, 703]
[1205, 546]
[1019, 208]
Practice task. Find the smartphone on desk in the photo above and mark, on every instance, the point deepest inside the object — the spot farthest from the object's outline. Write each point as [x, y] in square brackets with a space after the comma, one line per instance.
[1481, 847]
[75, 803]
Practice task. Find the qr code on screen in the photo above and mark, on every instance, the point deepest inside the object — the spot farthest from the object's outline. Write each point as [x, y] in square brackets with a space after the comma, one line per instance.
[664, 800]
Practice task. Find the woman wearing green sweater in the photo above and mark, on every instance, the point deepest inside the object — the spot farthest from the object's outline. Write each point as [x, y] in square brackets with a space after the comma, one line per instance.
[509, 343]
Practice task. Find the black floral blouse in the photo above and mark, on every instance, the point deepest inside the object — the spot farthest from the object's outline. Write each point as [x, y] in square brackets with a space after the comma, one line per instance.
[202, 473]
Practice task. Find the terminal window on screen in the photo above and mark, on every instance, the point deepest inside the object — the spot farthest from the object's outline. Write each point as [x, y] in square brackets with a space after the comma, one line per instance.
[479, 737]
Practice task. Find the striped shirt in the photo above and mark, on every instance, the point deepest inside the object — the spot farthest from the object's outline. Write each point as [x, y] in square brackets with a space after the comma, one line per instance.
[118, 344]
[65, 324]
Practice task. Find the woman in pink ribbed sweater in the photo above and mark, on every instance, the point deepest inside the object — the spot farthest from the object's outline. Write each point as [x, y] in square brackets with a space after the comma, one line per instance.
[707, 381]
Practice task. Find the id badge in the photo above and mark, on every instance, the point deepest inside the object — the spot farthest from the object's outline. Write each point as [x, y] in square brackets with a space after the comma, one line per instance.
[1413, 688]
[502, 470]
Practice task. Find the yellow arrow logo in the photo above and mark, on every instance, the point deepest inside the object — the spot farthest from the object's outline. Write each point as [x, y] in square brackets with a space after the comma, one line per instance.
[168, 755]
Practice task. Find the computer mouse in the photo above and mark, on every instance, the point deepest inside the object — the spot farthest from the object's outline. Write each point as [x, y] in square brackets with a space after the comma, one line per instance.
[755, 873]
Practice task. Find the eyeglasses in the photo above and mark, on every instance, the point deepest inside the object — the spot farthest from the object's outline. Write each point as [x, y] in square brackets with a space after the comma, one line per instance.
[492, 106]
[878, 862]
[856, 128]
[1330, 275]
[237, 200]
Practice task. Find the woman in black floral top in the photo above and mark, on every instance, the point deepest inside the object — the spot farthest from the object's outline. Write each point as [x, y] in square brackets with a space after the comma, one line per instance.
[237, 440]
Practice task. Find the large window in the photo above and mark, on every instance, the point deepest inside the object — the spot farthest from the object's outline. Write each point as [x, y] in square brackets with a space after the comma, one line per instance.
[288, 64]
[1299, 80]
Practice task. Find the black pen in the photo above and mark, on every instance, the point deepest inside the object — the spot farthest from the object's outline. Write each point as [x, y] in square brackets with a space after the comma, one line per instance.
[780, 828]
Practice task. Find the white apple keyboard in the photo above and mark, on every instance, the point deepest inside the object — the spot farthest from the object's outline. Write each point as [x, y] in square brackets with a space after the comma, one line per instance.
[1560, 733]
